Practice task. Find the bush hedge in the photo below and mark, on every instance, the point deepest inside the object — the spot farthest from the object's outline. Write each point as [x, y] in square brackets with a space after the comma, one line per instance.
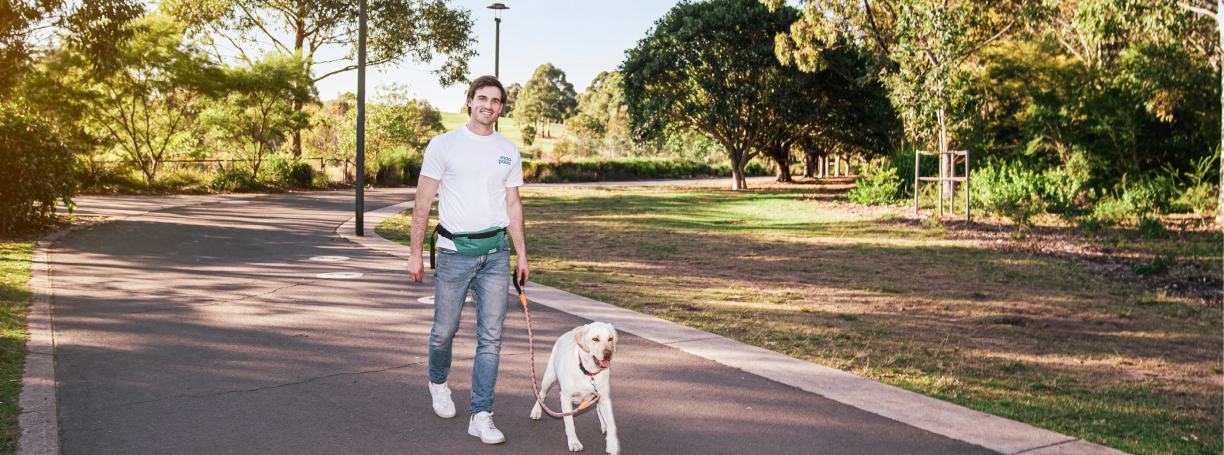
[38, 169]
[599, 170]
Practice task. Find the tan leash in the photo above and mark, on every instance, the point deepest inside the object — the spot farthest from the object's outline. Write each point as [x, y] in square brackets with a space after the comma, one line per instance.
[531, 346]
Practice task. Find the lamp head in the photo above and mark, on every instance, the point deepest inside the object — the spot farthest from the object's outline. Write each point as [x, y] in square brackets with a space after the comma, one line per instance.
[497, 9]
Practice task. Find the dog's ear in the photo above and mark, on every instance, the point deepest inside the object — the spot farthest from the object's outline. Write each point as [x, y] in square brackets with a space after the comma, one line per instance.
[580, 338]
[615, 339]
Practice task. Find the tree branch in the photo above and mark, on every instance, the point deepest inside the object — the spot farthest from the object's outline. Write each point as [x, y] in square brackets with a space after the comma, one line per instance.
[1203, 11]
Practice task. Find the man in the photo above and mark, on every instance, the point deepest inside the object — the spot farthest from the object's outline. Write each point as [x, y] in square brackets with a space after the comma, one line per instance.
[478, 172]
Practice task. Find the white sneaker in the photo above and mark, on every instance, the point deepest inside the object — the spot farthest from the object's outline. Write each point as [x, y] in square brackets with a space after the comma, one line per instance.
[482, 425]
[442, 404]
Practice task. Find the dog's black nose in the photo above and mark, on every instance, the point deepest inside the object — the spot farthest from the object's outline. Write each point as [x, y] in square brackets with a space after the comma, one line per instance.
[607, 354]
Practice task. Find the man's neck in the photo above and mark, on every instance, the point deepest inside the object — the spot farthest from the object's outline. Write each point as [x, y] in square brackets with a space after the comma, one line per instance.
[478, 128]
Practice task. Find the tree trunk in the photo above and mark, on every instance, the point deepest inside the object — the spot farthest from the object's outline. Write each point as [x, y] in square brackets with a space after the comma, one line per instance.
[781, 157]
[809, 165]
[1220, 26]
[737, 172]
[295, 139]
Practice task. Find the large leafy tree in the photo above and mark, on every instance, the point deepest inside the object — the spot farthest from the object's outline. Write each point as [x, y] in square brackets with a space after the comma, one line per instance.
[921, 45]
[601, 108]
[256, 116]
[710, 67]
[148, 108]
[546, 98]
[399, 31]
[95, 28]
[397, 119]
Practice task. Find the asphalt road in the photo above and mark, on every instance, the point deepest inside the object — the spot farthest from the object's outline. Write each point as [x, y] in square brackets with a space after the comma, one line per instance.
[205, 329]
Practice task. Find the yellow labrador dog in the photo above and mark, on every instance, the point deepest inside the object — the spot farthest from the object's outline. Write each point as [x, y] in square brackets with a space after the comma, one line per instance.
[579, 356]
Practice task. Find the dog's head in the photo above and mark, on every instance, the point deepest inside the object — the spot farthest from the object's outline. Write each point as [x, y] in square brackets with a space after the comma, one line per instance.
[599, 339]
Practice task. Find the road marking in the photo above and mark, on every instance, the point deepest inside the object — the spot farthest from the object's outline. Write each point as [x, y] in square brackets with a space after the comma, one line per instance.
[329, 258]
[339, 275]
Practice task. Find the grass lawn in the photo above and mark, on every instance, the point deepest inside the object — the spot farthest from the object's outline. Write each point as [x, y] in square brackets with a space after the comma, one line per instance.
[14, 301]
[798, 270]
[452, 120]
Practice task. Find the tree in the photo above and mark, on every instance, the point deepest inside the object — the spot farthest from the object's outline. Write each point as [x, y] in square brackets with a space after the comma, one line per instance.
[256, 114]
[546, 98]
[95, 28]
[148, 107]
[400, 30]
[922, 46]
[601, 108]
[1168, 22]
[396, 119]
[38, 169]
[512, 92]
[710, 67]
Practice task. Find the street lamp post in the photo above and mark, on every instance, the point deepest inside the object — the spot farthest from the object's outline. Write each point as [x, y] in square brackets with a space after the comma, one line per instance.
[359, 225]
[497, 11]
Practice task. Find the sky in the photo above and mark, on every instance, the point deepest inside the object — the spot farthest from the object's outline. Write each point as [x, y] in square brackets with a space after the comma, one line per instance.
[581, 37]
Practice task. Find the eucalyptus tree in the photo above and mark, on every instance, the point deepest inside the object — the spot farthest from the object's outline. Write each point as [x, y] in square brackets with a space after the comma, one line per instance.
[546, 98]
[601, 108]
[400, 31]
[710, 67]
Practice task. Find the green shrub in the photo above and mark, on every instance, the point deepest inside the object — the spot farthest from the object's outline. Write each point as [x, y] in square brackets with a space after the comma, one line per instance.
[397, 167]
[1200, 193]
[878, 185]
[185, 178]
[756, 167]
[903, 160]
[1158, 264]
[1151, 196]
[528, 132]
[37, 170]
[594, 170]
[1152, 228]
[286, 172]
[1109, 211]
[301, 175]
[234, 179]
[1062, 190]
[1009, 190]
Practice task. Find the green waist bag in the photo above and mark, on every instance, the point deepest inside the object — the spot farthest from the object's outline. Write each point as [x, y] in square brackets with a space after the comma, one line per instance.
[478, 243]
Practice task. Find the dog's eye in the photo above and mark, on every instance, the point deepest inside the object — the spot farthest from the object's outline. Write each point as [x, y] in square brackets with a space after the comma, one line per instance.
[595, 339]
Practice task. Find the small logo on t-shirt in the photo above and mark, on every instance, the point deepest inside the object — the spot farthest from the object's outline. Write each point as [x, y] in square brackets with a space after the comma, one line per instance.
[503, 160]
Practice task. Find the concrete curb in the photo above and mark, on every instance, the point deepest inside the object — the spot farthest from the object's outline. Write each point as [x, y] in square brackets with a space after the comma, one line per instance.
[38, 402]
[39, 418]
[920, 411]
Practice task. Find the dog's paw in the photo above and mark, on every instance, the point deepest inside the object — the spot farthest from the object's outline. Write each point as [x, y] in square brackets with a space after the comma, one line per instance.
[536, 412]
[575, 446]
[613, 447]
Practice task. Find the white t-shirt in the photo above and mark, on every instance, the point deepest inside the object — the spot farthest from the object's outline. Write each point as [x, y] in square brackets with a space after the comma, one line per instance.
[475, 172]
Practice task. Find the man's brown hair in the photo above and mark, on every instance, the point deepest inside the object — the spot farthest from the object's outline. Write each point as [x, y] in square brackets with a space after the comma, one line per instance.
[482, 82]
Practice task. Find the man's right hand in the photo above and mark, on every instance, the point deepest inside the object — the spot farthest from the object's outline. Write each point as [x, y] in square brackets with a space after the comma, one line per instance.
[416, 268]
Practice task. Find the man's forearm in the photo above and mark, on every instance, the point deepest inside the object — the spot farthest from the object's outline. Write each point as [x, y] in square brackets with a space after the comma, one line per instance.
[420, 224]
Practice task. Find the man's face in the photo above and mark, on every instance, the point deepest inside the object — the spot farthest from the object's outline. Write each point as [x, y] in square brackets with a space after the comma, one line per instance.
[486, 105]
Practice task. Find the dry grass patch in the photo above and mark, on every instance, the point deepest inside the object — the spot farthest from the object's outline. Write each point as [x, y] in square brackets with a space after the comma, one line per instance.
[1039, 339]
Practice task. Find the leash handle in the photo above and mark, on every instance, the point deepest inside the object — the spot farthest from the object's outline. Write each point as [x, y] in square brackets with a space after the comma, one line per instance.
[518, 286]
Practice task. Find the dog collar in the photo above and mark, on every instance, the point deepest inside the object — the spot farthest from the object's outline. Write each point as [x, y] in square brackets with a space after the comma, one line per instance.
[583, 368]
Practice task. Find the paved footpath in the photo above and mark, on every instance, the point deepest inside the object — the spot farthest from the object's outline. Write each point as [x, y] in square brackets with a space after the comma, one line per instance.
[206, 328]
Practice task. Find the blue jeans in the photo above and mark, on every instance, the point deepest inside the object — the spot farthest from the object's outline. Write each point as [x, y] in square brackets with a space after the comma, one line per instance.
[488, 277]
